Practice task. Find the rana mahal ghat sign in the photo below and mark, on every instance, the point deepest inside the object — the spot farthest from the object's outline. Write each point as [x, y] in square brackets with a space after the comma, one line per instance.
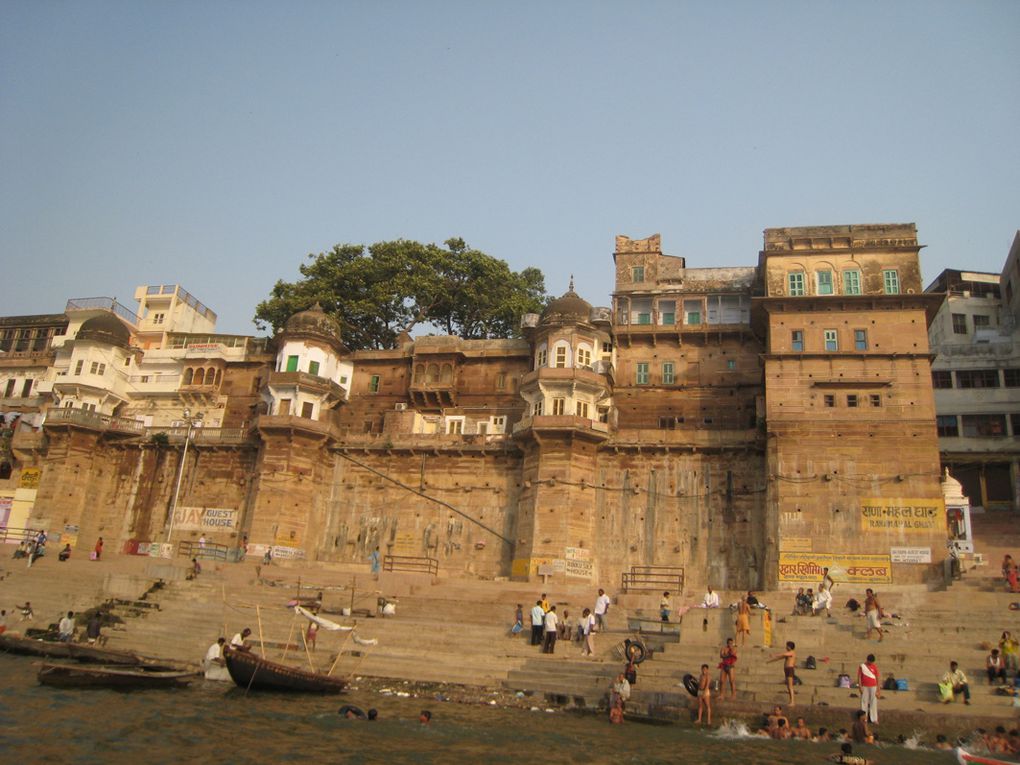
[909, 516]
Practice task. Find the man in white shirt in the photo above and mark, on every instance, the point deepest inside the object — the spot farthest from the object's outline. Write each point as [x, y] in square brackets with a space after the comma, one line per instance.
[551, 626]
[214, 656]
[602, 610]
[537, 623]
[66, 627]
[711, 599]
[238, 640]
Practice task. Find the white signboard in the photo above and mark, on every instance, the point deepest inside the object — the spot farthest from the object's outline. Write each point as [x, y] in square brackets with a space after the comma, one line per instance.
[578, 562]
[208, 519]
[910, 554]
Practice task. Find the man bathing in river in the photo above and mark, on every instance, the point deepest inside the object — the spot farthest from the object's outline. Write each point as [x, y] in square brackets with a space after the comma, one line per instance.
[789, 657]
[704, 695]
[728, 656]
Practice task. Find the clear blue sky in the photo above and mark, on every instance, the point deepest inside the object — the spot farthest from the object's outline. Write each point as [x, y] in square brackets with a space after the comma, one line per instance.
[214, 144]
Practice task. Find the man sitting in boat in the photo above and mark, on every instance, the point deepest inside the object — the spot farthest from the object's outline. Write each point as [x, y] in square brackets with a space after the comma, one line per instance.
[238, 641]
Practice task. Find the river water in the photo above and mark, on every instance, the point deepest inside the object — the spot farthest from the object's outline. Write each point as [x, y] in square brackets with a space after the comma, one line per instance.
[218, 723]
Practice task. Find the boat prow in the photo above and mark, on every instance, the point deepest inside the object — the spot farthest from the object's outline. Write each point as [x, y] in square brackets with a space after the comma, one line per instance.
[969, 758]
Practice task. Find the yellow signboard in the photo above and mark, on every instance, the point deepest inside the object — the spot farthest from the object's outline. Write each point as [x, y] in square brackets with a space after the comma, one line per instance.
[912, 516]
[807, 567]
[30, 478]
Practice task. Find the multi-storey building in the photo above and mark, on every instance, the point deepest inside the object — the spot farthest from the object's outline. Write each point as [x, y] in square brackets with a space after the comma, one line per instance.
[735, 426]
[976, 377]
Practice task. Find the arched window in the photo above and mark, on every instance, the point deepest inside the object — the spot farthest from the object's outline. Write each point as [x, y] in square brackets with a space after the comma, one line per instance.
[199, 378]
[419, 373]
[210, 376]
[189, 374]
[446, 376]
[219, 377]
[433, 373]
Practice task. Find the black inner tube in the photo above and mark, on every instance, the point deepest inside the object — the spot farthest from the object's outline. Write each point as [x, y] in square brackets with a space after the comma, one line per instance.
[691, 684]
[635, 651]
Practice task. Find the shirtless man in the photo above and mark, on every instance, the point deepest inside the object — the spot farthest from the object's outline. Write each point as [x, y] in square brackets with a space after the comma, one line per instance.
[873, 613]
[704, 695]
[789, 657]
[743, 621]
[801, 730]
[728, 660]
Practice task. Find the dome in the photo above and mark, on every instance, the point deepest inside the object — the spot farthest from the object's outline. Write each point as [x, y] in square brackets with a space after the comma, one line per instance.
[105, 328]
[569, 307]
[315, 321]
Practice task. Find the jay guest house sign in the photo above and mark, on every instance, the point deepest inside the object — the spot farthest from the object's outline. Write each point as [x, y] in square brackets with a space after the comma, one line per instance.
[897, 516]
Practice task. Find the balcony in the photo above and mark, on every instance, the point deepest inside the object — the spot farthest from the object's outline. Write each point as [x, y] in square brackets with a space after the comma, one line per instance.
[433, 396]
[418, 442]
[205, 436]
[590, 377]
[102, 304]
[550, 423]
[94, 421]
[309, 382]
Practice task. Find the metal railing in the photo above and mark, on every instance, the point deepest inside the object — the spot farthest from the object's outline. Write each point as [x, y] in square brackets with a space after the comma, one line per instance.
[16, 536]
[102, 303]
[210, 550]
[652, 578]
[411, 564]
[95, 420]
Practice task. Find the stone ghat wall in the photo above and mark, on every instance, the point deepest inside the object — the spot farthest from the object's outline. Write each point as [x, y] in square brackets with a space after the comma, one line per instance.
[702, 511]
[477, 495]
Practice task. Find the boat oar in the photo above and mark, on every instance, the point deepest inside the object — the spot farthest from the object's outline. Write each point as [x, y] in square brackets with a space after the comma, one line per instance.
[307, 652]
[262, 645]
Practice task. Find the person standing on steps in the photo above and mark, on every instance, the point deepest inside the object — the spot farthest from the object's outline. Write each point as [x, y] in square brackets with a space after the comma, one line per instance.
[743, 623]
[537, 623]
[551, 629]
[602, 611]
[728, 657]
[789, 657]
[587, 627]
[373, 562]
[665, 607]
[869, 681]
[873, 613]
[99, 549]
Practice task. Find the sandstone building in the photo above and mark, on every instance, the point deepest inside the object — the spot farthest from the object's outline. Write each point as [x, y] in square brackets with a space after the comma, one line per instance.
[738, 426]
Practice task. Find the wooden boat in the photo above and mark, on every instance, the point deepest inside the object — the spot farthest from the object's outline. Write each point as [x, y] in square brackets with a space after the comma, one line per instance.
[966, 758]
[118, 677]
[253, 672]
[78, 652]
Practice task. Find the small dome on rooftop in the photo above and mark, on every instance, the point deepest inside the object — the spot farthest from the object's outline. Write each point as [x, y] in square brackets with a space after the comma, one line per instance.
[314, 321]
[568, 307]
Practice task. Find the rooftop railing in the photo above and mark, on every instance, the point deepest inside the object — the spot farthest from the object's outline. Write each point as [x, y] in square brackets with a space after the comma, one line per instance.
[102, 304]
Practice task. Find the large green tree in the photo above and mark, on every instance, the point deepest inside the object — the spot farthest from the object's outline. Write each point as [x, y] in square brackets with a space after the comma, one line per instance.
[375, 293]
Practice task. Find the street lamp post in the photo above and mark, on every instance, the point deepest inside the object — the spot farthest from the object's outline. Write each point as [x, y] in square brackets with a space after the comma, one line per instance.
[180, 469]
